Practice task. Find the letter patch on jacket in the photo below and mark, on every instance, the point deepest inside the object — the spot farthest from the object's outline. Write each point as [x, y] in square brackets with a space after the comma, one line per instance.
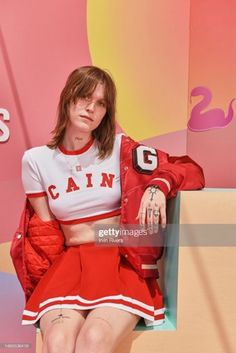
[145, 159]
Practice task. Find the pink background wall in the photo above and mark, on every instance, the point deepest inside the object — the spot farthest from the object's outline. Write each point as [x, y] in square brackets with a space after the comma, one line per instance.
[40, 45]
[212, 58]
[157, 53]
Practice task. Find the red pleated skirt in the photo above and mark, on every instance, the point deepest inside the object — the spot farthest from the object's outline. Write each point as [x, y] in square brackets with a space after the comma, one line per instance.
[89, 276]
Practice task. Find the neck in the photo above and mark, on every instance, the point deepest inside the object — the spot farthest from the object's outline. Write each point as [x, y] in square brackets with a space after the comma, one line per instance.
[75, 140]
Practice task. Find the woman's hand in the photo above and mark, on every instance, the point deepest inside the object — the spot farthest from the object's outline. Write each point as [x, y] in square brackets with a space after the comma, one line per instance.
[152, 208]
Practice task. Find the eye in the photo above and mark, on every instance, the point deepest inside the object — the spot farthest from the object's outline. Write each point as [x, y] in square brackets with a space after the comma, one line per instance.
[85, 98]
[102, 104]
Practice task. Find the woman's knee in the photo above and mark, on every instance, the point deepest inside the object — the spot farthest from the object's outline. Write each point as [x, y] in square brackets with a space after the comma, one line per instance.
[60, 329]
[95, 338]
[57, 341]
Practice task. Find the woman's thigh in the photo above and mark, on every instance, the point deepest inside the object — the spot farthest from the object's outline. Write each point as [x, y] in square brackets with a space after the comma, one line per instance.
[104, 328]
[60, 328]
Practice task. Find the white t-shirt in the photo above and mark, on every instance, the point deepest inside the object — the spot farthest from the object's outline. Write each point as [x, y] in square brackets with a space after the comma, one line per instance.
[80, 187]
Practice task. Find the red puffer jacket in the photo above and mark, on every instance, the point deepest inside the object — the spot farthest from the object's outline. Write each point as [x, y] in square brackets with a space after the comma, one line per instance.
[36, 243]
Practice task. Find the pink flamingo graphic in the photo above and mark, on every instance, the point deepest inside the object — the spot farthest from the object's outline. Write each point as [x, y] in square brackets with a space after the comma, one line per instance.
[211, 119]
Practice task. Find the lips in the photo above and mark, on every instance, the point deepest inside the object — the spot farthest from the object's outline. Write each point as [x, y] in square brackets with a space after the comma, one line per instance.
[86, 117]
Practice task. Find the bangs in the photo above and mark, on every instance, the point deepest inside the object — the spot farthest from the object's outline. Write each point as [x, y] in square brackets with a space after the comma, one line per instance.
[83, 83]
[83, 89]
[87, 90]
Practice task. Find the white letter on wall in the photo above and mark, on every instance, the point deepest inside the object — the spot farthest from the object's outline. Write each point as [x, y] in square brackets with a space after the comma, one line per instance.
[4, 130]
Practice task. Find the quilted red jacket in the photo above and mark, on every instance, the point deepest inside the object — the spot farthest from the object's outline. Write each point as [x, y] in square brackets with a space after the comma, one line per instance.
[36, 244]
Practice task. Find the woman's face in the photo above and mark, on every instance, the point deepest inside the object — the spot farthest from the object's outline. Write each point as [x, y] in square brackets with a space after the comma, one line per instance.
[87, 113]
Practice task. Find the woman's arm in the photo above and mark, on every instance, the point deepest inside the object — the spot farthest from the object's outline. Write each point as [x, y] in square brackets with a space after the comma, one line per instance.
[34, 187]
[41, 208]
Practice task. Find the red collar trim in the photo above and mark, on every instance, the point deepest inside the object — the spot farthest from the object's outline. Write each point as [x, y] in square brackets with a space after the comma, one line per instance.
[81, 150]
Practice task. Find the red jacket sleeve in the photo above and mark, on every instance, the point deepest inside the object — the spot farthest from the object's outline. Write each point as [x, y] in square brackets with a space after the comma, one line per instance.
[170, 173]
[181, 173]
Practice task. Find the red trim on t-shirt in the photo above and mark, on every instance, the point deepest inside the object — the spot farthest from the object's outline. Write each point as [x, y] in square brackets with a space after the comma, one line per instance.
[79, 151]
[92, 218]
[37, 194]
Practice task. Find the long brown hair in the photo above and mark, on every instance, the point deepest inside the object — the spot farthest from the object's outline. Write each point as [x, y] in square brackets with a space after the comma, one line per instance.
[81, 83]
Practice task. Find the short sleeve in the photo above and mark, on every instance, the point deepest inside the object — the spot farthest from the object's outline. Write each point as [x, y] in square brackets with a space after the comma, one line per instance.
[30, 177]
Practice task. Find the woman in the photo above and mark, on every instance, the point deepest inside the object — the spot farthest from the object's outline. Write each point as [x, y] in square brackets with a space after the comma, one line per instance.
[91, 297]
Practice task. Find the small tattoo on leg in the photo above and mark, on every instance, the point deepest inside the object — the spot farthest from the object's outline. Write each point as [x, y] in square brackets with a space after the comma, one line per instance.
[60, 318]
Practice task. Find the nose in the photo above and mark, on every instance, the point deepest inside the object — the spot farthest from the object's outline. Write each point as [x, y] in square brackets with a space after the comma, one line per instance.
[91, 106]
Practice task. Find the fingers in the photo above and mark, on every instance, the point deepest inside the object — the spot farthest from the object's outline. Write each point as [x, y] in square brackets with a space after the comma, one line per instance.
[153, 214]
[154, 224]
[149, 214]
[141, 215]
[156, 214]
[163, 216]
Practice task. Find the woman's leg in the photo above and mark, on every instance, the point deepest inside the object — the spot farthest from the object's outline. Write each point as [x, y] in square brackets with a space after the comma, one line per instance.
[103, 329]
[60, 328]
